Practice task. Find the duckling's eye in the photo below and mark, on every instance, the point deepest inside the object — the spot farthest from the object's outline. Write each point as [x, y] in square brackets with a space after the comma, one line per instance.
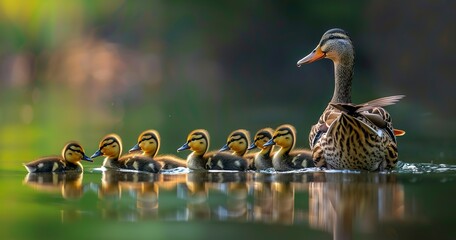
[70, 153]
[201, 142]
[287, 137]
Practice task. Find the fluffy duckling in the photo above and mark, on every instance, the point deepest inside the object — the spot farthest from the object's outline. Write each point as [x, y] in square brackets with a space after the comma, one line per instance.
[262, 159]
[285, 159]
[111, 147]
[149, 143]
[199, 159]
[72, 154]
[238, 143]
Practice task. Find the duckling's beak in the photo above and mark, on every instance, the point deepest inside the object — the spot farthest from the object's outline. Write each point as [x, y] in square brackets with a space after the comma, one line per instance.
[97, 154]
[315, 55]
[184, 147]
[85, 157]
[269, 143]
[224, 148]
[135, 148]
[252, 146]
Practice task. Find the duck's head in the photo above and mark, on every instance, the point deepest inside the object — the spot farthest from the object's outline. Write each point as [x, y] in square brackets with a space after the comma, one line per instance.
[335, 44]
[73, 152]
[197, 141]
[110, 146]
[261, 137]
[148, 142]
[238, 141]
[284, 136]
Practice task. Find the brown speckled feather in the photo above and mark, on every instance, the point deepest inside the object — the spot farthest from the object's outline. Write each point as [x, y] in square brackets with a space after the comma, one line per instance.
[349, 136]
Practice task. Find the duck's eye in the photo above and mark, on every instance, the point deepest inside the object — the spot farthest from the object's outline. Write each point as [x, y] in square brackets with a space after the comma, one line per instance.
[201, 142]
[287, 137]
[70, 153]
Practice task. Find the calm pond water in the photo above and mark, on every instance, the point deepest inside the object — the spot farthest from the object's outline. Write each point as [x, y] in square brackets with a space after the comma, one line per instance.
[414, 202]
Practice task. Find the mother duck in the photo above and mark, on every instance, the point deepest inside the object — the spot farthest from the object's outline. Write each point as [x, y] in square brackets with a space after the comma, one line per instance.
[349, 136]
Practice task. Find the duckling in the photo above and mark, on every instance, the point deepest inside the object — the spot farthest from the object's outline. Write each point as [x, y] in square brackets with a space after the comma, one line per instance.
[285, 159]
[149, 143]
[262, 159]
[238, 143]
[72, 154]
[111, 147]
[199, 159]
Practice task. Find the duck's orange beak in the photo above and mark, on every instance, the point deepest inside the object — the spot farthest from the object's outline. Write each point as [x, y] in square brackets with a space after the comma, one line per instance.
[315, 55]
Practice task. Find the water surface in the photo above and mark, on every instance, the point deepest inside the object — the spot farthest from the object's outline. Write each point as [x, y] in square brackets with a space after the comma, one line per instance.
[415, 201]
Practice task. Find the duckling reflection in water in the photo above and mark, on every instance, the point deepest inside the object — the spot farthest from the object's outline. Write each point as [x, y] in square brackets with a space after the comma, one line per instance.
[238, 143]
[149, 144]
[283, 202]
[111, 147]
[286, 159]
[197, 196]
[236, 202]
[200, 159]
[263, 201]
[119, 187]
[68, 184]
[72, 154]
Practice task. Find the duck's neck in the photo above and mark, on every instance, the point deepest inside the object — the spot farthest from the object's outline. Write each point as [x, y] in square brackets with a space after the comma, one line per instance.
[111, 162]
[343, 75]
[196, 161]
[150, 154]
[266, 151]
[240, 153]
[284, 151]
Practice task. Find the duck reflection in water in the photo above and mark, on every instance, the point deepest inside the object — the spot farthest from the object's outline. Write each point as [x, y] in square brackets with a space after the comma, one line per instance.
[201, 186]
[134, 195]
[339, 203]
[196, 194]
[233, 186]
[119, 190]
[68, 184]
[344, 203]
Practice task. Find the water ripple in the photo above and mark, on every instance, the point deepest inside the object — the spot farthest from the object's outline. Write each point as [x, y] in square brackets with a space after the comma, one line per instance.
[420, 168]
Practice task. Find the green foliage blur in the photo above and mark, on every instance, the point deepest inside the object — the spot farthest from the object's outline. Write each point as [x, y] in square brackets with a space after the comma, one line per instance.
[78, 70]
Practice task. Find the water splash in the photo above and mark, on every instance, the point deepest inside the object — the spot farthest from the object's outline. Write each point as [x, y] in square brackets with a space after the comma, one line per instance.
[178, 170]
[402, 167]
[420, 168]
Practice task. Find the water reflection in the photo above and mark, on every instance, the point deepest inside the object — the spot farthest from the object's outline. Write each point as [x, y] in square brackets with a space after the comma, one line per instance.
[345, 202]
[339, 203]
[68, 184]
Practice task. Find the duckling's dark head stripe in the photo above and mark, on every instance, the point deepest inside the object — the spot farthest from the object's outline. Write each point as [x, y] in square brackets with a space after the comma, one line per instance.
[286, 129]
[147, 137]
[202, 135]
[76, 148]
[263, 134]
[108, 141]
[236, 136]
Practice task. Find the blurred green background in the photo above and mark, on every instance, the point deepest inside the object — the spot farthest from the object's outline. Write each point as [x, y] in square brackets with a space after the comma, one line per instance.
[78, 70]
